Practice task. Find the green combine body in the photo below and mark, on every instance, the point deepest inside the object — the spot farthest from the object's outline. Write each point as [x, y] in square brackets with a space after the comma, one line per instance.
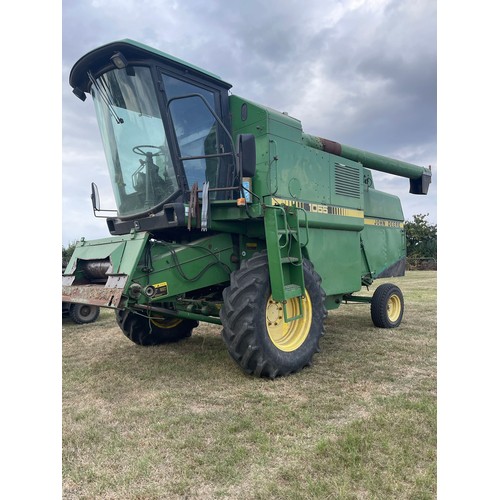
[229, 213]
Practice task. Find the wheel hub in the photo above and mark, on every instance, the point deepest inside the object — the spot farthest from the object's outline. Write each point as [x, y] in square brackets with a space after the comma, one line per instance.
[393, 307]
[85, 311]
[274, 312]
[289, 336]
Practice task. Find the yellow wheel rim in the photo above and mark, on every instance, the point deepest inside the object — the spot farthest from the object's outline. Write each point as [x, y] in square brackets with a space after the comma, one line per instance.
[393, 308]
[290, 336]
[166, 323]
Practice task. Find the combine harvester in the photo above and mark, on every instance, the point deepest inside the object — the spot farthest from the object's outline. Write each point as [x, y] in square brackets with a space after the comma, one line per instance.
[228, 213]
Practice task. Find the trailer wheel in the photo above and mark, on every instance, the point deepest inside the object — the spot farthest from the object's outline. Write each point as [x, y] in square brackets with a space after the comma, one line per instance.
[254, 330]
[387, 306]
[83, 313]
[154, 330]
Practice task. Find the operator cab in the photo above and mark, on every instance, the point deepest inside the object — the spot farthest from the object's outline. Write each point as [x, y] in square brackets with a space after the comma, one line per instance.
[164, 126]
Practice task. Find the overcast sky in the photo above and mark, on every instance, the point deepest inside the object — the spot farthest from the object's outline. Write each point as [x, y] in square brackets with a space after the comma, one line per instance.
[360, 72]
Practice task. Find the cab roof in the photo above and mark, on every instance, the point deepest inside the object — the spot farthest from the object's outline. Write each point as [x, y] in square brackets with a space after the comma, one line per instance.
[97, 59]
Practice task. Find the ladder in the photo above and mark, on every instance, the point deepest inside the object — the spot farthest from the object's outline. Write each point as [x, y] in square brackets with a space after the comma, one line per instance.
[284, 255]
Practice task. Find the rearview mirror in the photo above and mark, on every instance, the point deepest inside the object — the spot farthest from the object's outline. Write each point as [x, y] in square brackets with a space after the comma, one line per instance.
[247, 154]
[96, 202]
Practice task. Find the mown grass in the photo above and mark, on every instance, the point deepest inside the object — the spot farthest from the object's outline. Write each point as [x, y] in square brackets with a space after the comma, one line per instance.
[182, 421]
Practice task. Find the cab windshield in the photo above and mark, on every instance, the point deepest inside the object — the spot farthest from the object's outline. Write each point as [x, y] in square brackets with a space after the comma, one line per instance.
[133, 135]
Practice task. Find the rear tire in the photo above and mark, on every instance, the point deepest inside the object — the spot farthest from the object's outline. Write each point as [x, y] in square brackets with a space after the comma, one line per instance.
[387, 306]
[83, 313]
[254, 331]
[154, 330]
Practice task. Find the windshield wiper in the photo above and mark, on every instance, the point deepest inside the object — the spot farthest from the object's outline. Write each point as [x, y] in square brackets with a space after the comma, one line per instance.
[103, 92]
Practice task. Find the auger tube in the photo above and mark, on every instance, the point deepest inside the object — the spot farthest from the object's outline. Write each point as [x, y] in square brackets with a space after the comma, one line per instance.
[420, 177]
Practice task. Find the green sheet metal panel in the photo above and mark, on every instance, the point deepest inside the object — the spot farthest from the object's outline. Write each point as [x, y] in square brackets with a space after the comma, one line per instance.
[384, 234]
[337, 259]
[180, 268]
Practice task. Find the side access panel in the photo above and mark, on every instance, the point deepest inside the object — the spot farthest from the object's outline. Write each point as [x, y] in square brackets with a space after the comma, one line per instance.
[383, 237]
[336, 257]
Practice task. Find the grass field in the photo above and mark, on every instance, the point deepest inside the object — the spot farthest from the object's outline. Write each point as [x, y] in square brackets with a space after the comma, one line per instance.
[182, 421]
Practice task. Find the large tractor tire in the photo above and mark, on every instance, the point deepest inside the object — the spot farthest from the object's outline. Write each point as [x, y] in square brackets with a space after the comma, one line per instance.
[83, 313]
[154, 330]
[254, 330]
[387, 306]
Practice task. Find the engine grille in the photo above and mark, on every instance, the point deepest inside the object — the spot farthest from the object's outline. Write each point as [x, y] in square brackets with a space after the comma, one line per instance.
[347, 181]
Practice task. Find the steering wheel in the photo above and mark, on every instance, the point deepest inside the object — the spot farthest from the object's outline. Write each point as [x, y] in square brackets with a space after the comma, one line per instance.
[138, 150]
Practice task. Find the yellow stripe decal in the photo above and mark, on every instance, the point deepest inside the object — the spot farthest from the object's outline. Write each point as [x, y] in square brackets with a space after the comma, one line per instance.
[333, 210]
[318, 208]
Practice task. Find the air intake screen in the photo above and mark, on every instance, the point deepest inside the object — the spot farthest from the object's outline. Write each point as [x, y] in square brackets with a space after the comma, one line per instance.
[347, 181]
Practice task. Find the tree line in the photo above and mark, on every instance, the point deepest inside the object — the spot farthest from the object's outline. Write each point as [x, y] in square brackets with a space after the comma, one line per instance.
[421, 243]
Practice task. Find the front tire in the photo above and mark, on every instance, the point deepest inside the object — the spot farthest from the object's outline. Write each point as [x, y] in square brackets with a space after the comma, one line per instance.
[155, 329]
[254, 330]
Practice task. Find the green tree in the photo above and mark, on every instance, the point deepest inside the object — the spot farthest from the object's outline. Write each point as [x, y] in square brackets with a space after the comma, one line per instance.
[421, 238]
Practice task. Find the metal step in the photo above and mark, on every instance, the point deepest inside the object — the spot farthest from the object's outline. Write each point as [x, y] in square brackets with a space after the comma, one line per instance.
[292, 291]
[289, 260]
